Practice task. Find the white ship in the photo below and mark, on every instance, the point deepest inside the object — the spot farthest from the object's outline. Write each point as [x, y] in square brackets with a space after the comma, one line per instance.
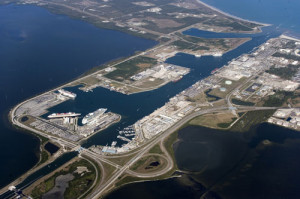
[218, 54]
[92, 116]
[67, 93]
[59, 115]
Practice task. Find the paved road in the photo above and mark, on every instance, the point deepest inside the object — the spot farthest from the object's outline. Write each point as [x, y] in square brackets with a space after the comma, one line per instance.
[98, 192]
[140, 152]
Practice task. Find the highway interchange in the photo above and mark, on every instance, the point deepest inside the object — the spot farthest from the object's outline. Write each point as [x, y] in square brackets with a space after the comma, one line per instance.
[104, 185]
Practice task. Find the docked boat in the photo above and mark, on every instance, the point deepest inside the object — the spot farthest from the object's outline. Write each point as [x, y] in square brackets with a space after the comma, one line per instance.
[93, 116]
[67, 93]
[61, 115]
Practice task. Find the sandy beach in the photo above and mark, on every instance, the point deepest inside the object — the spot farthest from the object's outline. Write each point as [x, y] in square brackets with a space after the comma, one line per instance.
[230, 15]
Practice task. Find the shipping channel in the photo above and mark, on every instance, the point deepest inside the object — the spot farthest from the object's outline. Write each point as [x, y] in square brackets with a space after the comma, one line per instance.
[134, 107]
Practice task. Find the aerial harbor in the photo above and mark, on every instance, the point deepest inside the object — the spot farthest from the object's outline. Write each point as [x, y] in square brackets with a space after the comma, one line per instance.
[63, 125]
[177, 96]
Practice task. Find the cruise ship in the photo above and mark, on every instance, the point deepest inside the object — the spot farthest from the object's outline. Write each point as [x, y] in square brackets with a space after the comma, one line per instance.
[67, 93]
[92, 116]
[59, 115]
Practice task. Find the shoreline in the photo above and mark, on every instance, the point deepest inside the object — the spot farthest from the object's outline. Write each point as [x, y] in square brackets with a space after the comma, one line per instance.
[68, 83]
[289, 37]
[230, 15]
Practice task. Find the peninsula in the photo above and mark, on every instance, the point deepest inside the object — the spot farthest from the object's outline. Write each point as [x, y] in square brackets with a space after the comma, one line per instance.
[265, 79]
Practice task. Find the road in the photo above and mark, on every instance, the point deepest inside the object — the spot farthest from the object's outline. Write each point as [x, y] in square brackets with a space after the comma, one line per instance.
[139, 153]
[101, 189]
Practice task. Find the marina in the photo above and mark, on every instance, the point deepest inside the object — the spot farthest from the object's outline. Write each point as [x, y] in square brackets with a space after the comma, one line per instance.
[134, 109]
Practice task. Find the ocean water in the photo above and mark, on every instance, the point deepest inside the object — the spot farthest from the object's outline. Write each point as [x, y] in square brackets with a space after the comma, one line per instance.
[281, 13]
[39, 51]
[135, 107]
[35, 56]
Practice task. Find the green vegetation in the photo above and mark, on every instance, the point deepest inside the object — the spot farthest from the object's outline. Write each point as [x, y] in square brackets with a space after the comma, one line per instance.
[156, 149]
[121, 161]
[197, 43]
[216, 92]
[181, 45]
[168, 143]
[143, 162]
[109, 169]
[42, 139]
[215, 120]
[77, 186]
[290, 44]
[44, 157]
[127, 179]
[242, 103]
[207, 42]
[210, 97]
[226, 124]
[128, 68]
[45, 186]
[250, 119]
[241, 114]
[227, 23]
[286, 56]
[278, 99]
[284, 72]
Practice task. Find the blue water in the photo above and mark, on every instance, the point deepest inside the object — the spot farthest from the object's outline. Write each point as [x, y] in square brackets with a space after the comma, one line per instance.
[224, 164]
[134, 107]
[39, 51]
[41, 172]
[280, 13]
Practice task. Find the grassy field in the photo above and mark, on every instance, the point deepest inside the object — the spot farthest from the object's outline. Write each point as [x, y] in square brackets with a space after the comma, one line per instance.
[217, 120]
[196, 43]
[121, 161]
[250, 119]
[44, 157]
[227, 23]
[128, 68]
[226, 124]
[143, 165]
[156, 149]
[109, 170]
[229, 88]
[278, 99]
[125, 179]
